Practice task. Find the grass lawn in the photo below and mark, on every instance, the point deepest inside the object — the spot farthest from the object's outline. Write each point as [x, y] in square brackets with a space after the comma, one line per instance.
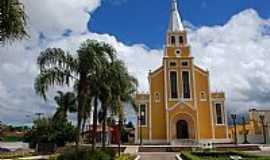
[11, 139]
[216, 155]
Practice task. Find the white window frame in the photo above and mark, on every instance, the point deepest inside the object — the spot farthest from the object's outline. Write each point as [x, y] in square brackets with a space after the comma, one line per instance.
[177, 85]
[222, 113]
[190, 87]
[146, 116]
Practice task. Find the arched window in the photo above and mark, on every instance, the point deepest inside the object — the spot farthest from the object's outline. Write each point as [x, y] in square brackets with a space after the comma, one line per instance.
[219, 113]
[173, 80]
[181, 39]
[186, 85]
[172, 40]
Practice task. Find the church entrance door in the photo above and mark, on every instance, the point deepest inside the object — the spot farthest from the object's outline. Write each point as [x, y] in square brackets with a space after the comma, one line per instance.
[182, 129]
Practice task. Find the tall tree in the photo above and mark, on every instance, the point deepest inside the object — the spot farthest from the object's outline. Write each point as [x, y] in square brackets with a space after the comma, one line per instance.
[60, 68]
[66, 103]
[118, 87]
[12, 20]
[105, 54]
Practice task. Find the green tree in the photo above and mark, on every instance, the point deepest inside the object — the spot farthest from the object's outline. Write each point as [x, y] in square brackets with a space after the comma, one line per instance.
[12, 20]
[60, 68]
[118, 87]
[46, 130]
[66, 103]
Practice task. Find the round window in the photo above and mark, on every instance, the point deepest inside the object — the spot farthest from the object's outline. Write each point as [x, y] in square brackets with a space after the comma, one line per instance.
[178, 52]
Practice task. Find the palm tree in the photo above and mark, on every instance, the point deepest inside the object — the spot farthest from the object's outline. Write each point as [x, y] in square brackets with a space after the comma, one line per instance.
[12, 20]
[60, 68]
[118, 87]
[66, 103]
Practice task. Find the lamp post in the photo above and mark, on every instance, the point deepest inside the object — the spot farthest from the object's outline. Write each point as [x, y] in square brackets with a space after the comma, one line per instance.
[262, 117]
[140, 126]
[234, 116]
[267, 132]
[119, 130]
[244, 130]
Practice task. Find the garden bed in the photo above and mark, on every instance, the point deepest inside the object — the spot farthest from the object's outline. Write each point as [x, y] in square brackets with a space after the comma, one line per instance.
[218, 155]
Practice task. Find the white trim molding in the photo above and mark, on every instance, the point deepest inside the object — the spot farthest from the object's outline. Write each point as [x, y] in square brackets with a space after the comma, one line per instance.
[222, 113]
[146, 116]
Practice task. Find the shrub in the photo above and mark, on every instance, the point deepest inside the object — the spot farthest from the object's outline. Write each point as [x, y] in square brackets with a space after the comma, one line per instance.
[126, 157]
[86, 154]
[46, 130]
[189, 156]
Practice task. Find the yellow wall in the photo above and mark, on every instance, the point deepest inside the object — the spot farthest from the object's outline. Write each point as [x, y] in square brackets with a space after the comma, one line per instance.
[203, 106]
[158, 108]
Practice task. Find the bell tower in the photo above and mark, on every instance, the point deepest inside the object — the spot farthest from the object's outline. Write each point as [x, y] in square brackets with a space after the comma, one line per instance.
[176, 37]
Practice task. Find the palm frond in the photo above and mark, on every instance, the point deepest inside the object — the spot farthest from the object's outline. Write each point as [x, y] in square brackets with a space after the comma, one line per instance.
[12, 21]
[49, 78]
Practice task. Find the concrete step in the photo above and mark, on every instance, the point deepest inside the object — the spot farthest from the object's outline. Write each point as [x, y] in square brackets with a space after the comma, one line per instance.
[131, 150]
[157, 156]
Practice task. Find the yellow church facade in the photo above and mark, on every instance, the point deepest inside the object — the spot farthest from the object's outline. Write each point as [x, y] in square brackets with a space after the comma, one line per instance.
[180, 106]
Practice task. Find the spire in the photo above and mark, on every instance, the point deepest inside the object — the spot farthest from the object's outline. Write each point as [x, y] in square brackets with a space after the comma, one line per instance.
[175, 24]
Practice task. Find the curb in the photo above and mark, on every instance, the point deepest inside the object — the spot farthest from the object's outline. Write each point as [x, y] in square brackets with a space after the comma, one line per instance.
[138, 157]
[178, 157]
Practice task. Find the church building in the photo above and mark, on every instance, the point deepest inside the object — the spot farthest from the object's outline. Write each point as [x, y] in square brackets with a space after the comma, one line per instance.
[180, 106]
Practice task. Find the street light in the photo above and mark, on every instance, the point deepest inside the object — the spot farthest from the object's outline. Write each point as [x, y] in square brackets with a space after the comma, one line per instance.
[262, 117]
[234, 116]
[140, 115]
[119, 130]
[244, 130]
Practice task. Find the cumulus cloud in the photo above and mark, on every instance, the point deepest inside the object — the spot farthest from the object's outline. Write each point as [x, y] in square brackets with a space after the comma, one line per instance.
[54, 17]
[236, 54]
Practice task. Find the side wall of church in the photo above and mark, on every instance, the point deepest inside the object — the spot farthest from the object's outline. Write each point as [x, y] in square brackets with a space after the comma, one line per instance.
[203, 104]
[158, 110]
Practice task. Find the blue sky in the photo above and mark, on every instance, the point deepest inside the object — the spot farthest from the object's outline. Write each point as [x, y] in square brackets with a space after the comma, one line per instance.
[145, 21]
[136, 28]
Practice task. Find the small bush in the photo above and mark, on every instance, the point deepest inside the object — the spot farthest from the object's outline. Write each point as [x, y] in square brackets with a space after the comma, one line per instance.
[189, 156]
[53, 157]
[126, 157]
[86, 154]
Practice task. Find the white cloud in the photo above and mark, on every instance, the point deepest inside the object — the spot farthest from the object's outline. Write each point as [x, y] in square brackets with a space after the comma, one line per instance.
[53, 17]
[236, 54]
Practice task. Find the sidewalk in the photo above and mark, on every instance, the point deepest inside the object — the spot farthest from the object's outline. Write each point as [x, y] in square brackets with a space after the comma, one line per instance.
[31, 158]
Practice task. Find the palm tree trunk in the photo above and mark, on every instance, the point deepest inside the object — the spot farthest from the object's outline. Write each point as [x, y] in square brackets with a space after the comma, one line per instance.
[78, 129]
[94, 131]
[104, 109]
[83, 124]
[81, 94]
